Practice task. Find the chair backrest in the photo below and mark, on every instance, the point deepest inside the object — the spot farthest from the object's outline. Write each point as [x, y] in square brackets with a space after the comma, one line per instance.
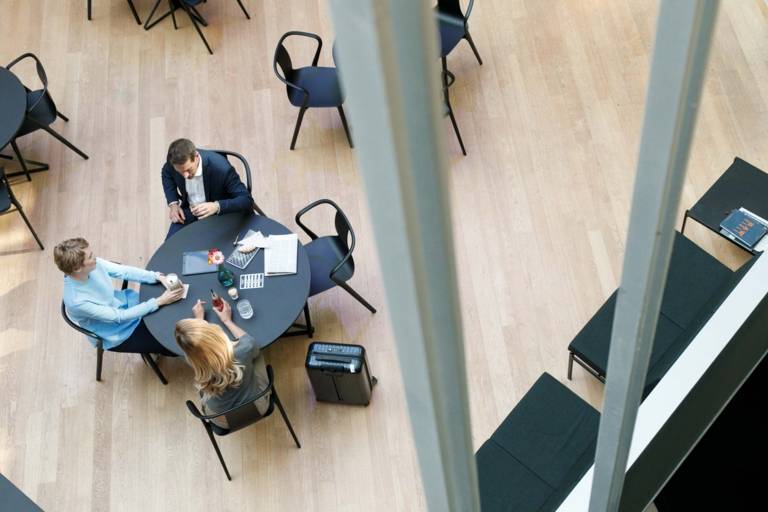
[76, 327]
[453, 8]
[241, 416]
[283, 60]
[246, 171]
[344, 232]
[42, 76]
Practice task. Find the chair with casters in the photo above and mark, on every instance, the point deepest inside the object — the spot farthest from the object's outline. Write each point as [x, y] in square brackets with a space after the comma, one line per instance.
[448, 80]
[242, 416]
[330, 257]
[246, 172]
[147, 358]
[190, 8]
[130, 4]
[8, 200]
[453, 25]
[310, 86]
[41, 113]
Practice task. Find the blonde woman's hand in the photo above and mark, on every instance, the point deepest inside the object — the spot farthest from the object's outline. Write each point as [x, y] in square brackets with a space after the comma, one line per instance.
[198, 310]
[225, 315]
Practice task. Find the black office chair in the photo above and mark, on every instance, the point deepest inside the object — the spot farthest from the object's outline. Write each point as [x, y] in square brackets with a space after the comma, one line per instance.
[7, 199]
[130, 4]
[190, 8]
[147, 358]
[246, 171]
[330, 257]
[41, 113]
[448, 80]
[311, 86]
[454, 26]
[241, 416]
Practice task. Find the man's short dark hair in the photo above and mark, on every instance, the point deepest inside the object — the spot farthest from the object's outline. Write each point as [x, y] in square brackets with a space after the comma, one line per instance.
[180, 151]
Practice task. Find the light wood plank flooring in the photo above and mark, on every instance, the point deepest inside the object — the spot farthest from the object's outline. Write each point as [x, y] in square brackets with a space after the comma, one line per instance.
[540, 209]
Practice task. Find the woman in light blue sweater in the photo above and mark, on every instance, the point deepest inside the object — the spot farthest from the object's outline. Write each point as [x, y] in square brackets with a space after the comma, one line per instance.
[94, 304]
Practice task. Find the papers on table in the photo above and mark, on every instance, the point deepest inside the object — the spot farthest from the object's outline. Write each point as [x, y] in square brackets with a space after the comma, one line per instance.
[280, 254]
[253, 240]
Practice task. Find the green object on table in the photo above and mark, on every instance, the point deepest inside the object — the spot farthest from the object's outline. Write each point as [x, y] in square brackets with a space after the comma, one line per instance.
[226, 277]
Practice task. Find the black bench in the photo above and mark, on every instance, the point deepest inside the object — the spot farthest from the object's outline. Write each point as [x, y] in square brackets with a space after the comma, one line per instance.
[540, 451]
[696, 286]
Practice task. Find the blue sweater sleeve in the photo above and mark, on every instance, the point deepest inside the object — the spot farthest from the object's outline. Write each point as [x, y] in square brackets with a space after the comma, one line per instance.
[128, 273]
[109, 314]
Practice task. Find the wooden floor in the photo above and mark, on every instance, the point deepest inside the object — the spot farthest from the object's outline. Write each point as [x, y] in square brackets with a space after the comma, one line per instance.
[552, 124]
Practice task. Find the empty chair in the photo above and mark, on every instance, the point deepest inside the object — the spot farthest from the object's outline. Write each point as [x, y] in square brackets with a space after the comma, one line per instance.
[330, 257]
[448, 80]
[190, 8]
[242, 416]
[7, 200]
[41, 113]
[246, 171]
[454, 26]
[311, 86]
[147, 358]
[130, 4]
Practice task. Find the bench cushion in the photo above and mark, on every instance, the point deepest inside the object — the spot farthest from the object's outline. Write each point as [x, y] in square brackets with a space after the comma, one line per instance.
[693, 278]
[540, 451]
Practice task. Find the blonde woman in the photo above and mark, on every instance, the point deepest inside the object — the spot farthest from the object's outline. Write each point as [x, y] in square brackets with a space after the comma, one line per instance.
[227, 373]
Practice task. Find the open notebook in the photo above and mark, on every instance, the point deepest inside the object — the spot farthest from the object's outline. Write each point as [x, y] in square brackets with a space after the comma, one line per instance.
[280, 255]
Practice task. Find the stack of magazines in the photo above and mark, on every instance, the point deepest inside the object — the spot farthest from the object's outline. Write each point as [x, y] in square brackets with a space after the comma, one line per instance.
[744, 227]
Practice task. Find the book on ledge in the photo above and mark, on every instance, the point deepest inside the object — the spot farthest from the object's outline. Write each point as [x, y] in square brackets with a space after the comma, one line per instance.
[744, 227]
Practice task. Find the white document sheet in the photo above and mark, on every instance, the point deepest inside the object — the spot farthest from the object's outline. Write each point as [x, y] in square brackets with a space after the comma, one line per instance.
[280, 254]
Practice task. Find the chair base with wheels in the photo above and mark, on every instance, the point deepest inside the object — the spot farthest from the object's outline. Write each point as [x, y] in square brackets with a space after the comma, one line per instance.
[242, 416]
[8, 200]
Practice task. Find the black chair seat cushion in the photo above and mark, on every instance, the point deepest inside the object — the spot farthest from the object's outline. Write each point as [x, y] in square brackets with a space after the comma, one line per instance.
[322, 85]
[5, 198]
[451, 32]
[540, 451]
[44, 112]
[324, 254]
[694, 276]
[505, 483]
[591, 344]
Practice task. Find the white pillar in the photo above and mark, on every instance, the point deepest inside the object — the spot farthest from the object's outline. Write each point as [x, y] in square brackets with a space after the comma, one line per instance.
[388, 57]
[683, 34]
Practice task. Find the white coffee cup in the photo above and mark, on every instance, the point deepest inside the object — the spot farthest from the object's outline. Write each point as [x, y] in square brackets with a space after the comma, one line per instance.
[174, 283]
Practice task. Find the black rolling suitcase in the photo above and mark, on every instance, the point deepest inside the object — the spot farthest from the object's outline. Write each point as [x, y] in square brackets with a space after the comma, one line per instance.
[339, 373]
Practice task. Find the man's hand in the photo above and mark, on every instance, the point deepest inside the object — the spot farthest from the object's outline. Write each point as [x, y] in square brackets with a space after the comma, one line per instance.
[198, 310]
[176, 214]
[204, 210]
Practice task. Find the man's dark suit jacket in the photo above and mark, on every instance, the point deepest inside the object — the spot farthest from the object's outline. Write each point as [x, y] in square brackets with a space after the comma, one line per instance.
[220, 181]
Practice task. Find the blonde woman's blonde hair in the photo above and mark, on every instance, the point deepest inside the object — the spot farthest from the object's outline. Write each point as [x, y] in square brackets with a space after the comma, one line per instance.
[210, 354]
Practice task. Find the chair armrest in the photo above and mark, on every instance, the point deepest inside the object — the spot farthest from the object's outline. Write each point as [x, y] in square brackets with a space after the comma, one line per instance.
[304, 210]
[40, 74]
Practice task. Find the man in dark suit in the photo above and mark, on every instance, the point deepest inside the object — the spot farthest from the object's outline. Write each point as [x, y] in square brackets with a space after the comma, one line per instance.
[200, 183]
